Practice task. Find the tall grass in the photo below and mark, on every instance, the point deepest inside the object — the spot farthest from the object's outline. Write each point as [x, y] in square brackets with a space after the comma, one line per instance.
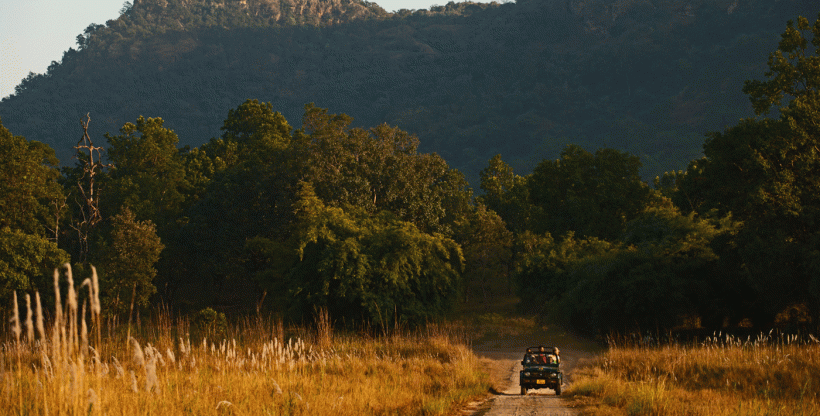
[724, 375]
[260, 368]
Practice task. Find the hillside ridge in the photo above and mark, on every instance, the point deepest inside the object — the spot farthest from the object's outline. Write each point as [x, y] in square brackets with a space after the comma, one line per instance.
[471, 80]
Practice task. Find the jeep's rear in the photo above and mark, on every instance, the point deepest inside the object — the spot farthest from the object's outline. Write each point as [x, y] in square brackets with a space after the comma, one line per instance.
[541, 370]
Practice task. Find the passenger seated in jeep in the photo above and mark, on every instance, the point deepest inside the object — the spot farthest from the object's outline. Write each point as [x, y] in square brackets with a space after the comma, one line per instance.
[542, 358]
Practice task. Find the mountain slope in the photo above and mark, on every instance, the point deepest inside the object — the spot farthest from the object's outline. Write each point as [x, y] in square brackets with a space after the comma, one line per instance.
[471, 80]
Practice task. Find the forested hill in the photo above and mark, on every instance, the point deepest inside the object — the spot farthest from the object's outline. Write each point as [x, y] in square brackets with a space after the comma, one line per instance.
[471, 80]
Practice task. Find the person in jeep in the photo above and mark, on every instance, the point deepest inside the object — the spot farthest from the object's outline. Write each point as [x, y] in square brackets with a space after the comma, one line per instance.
[541, 369]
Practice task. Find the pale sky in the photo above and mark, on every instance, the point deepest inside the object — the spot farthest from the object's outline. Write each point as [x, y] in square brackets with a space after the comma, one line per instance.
[35, 32]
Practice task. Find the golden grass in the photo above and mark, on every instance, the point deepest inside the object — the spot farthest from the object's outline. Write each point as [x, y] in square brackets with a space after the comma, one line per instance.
[255, 372]
[722, 376]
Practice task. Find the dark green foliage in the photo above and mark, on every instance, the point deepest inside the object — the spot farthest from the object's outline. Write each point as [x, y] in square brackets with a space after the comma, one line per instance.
[242, 233]
[487, 247]
[125, 262]
[766, 173]
[663, 271]
[26, 264]
[681, 249]
[241, 187]
[147, 174]
[360, 221]
[31, 205]
[362, 267]
[258, 131]
[542, 264]
[28, 185]
[793, 73]
[591, 195]
[209, 323]
[745, 248]
[471, 80]
[667, 185]
[380, 169]
[507, 194]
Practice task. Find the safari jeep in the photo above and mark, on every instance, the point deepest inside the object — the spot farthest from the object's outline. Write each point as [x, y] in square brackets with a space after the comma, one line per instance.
[541, 369]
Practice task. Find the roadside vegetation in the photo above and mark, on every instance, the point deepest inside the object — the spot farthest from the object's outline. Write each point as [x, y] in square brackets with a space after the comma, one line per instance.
[723, 375]
[256, 366]
[356, 231]
[756, 269]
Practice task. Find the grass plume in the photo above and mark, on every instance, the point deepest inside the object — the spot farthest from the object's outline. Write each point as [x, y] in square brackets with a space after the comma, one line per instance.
[15, 321]
[724, 375]
[41, 330]
[260, 367]
[29, 321]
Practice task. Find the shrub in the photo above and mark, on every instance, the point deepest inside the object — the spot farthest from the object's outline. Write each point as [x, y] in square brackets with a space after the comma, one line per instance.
[210, 323]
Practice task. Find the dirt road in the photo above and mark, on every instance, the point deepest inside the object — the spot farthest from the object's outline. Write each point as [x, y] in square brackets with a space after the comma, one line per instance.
[502, 358]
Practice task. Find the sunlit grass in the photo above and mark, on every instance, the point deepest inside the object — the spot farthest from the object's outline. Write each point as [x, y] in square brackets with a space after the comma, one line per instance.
[259, 368]
[721, 376]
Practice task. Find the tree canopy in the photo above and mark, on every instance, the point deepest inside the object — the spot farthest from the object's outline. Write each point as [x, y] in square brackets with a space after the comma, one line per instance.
[32, 204]
[126, 261]
[28, 185]
[593, 195]
[363, 267]
[148, 175]
[766, 173]
[360, 221]
[26, 264]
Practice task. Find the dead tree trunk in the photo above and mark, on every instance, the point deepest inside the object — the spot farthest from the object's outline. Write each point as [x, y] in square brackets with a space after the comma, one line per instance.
[89, 156]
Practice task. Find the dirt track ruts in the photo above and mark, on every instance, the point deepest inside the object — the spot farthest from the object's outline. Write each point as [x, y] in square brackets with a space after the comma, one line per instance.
[506, 356]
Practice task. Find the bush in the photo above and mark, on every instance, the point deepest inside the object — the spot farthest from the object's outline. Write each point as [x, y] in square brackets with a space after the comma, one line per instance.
[210, 323]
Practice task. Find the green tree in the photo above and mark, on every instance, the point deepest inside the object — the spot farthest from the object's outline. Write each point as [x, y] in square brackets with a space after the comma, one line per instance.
[242, 186]
[148, 173]
[681, 249]
[126, 262]
[260, 129]
[380, 169]
[662, 271]
[363, 267]
[761, 174]
[792, 73]
[542, 264]
[255, 140]
[250, 177]
[32, 201]
[592, 195]
[487, 247]
[497, 179]
[766, 173]
[508, 195]
[28, 186]
[26, 264]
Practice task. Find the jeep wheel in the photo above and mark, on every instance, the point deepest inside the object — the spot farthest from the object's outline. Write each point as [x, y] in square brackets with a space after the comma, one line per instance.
[558, 390]
[523, 390]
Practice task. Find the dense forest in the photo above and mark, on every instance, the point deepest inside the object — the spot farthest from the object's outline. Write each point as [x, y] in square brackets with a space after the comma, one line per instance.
[361, 221]
[470, 80]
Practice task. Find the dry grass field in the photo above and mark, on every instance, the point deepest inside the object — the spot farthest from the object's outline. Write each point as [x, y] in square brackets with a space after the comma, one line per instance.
[68, 367]
[769, 375]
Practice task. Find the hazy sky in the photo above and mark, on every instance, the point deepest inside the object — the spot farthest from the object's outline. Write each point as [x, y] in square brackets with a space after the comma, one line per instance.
[35, 32]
